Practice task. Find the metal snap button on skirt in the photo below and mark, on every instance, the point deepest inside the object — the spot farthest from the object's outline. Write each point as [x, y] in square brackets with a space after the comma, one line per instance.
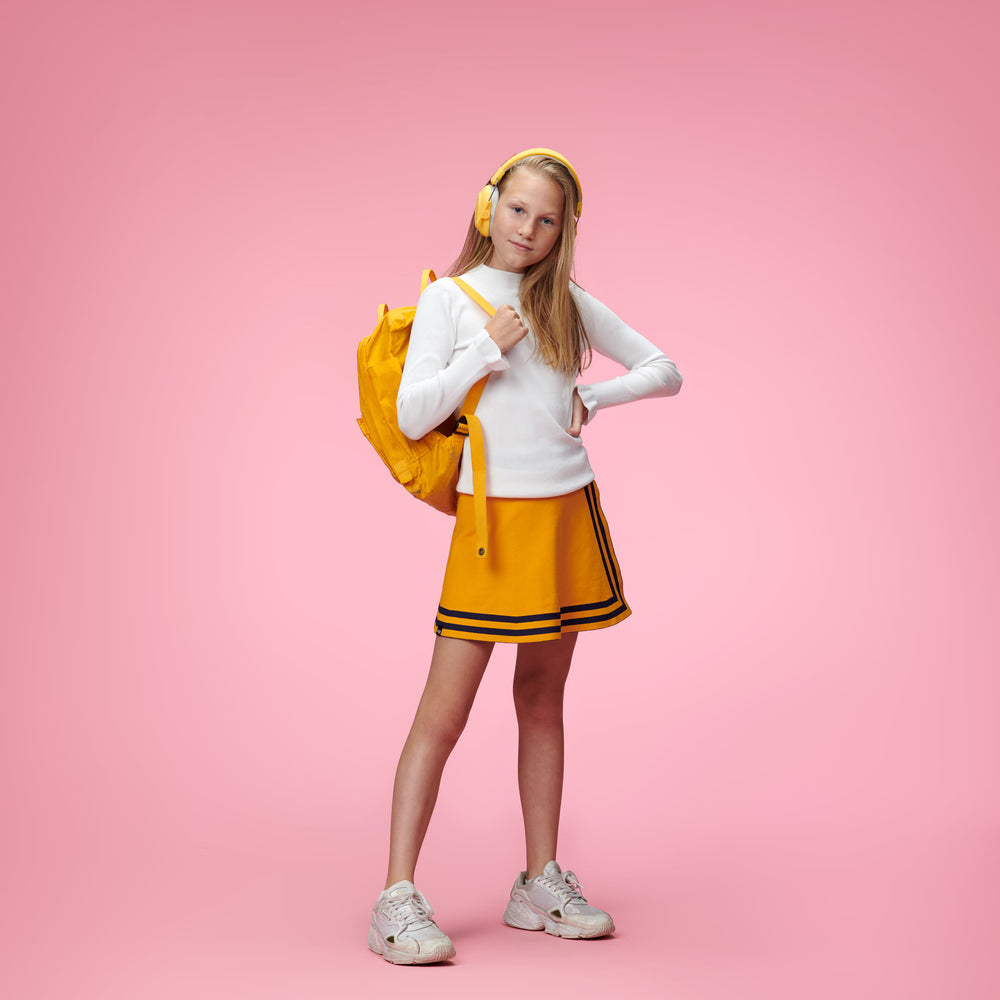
[551, 569]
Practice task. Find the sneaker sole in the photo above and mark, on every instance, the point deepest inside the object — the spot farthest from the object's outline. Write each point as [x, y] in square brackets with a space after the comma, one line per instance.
[378, 944]
[524, 917]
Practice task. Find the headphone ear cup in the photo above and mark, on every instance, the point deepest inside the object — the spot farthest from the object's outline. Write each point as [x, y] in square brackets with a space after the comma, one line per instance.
[494, 201]
[485, 203]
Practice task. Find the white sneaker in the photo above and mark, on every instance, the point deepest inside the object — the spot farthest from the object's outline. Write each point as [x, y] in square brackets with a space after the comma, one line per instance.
[554, 901]
[402, 931]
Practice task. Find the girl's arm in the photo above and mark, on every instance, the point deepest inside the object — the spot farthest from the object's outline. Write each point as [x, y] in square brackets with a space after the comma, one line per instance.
[650, 371]
[444, 360]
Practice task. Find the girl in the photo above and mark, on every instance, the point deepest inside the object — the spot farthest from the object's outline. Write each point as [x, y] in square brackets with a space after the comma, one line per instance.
[550, 570]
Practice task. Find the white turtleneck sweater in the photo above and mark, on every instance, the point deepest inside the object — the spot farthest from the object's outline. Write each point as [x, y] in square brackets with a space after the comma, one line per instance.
[526, 406]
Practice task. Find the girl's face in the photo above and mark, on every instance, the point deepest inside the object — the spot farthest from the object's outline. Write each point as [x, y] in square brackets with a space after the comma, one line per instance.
[527, 221]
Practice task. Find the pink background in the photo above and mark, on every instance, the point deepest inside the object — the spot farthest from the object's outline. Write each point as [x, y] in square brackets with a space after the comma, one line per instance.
[216, 605]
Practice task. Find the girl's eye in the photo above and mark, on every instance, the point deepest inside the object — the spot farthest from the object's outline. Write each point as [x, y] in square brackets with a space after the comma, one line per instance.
[548, 222]
[517, 209]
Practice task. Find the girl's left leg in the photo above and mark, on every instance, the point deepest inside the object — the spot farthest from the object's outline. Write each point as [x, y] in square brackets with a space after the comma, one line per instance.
[539, 681]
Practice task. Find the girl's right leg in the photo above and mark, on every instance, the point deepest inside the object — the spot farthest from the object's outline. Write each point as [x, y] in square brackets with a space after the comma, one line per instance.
[457, 667]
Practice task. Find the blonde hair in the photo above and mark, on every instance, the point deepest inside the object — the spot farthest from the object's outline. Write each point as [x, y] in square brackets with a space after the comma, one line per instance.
[546, 301]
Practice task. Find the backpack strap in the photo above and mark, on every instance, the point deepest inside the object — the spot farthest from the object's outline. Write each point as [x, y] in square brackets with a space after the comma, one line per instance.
[469, 425]
[474, 295]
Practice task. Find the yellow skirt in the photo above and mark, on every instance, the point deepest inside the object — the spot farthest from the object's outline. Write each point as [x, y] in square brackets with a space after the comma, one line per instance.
[550, 570]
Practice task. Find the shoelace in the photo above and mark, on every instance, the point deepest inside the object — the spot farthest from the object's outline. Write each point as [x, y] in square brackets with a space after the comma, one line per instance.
[412, 911]
[564, 885]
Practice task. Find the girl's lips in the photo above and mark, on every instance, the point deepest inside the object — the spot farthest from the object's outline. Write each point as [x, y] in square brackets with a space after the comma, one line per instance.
[520, 246]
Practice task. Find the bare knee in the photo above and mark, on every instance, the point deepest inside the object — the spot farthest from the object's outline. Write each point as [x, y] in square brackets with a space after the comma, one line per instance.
[540, 679]
[438, 730]
[538, 703]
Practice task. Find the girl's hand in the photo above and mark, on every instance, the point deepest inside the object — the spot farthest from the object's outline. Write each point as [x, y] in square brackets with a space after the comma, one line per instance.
[506, 328]
[579, 415]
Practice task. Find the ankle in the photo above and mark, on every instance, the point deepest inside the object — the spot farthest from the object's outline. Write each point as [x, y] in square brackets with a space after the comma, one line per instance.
[392, 878]
[533, 871]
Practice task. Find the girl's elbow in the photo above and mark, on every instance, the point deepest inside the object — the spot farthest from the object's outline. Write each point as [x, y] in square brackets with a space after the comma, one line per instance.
[410, 427]
[670, 379]
[408, 420]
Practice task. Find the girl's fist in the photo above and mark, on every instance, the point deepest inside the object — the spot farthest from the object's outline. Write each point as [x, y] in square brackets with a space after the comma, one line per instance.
[506, 328]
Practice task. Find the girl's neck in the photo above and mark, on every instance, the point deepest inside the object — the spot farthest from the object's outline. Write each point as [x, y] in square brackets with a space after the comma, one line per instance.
[513, 275]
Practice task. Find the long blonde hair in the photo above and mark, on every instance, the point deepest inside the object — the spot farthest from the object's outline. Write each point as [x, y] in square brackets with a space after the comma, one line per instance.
[546, 302]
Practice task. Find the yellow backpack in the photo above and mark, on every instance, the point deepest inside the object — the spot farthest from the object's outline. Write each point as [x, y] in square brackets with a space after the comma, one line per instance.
[428, 467]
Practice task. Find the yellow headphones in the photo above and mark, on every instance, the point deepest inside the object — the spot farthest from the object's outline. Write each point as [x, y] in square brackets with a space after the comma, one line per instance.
[490, 195]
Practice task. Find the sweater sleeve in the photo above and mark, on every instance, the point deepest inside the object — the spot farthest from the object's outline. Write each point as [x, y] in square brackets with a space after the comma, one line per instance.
[650, 371]
[442, 362]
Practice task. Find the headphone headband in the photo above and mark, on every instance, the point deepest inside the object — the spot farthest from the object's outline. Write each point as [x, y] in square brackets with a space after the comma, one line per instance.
[541, 151]
[487, 199]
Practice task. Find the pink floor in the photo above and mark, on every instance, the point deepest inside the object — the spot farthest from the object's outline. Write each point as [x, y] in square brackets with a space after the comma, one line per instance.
[772, 916]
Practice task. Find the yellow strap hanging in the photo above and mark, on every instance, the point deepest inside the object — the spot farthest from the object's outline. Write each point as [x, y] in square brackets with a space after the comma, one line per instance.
[475, 431]
[478, 452]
